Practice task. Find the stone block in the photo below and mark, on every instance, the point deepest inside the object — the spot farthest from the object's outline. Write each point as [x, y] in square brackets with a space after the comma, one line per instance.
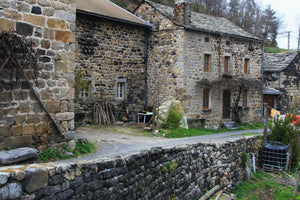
[18, 175]
[37, 108]
[65, 16]
[35, 179]
[24, 29]
[35, 19]
[28, 129]
[20, 119]
[33, 119]
[20, 95]
[41, 128]
[10, 111]
[24, 107]
[64, 36]
[23, 7]
[49, 34]
[44, 3]
[45, 44]
[6, 25]
[6, 96]
[66, 93]
[48, 11]
[61, 66]
[31, 1]
[36, 10]
[64, 116]
[58, 45]
[11, 191]
[16, 130]
[12, 14]
[5, 131]
[17, 155]
[57, 24]
[53, 106]
[4, 177]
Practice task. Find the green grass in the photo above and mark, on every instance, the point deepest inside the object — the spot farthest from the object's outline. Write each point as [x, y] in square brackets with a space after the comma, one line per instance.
[275, 50]
[264, 187]
[81, 148]
[182, 132]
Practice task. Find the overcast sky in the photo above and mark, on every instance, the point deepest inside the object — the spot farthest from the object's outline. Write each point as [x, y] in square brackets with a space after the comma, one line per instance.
[289, 12]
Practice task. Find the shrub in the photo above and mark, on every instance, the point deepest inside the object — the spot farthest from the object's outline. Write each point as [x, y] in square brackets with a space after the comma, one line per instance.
[174, 117]
[284, 131]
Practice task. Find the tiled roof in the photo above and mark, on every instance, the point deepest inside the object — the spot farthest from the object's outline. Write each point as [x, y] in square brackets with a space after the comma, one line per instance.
[278, 61]
[206, 22]
[107, 9]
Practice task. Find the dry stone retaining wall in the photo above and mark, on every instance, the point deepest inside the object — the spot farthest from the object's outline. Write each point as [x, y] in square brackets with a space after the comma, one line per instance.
[50, 25]
[185, 172]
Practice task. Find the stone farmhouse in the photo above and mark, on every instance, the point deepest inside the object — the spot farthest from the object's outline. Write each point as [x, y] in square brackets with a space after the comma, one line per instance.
[282, 78]
[111, 54]
[38, 120]
[207, 63]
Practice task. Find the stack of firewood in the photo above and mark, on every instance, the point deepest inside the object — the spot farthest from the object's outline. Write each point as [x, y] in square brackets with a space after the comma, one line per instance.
[103, 113]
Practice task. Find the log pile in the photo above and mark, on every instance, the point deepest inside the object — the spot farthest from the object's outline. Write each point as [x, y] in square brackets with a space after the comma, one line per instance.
[103, 113]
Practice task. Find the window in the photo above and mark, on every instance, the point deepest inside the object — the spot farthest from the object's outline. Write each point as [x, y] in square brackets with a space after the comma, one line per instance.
[121, 88]
[226, 64]
[246, 66]
[245, 98]
[206, 39]
[205, 98]
[206, 62]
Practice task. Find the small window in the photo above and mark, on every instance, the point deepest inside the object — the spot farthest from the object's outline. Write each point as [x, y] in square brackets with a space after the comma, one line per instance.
[246, 66]
[121, 88]
[245, 98]
[206, 39]
[205, 98]
[227, 43]
[206, 63]
[226, 64]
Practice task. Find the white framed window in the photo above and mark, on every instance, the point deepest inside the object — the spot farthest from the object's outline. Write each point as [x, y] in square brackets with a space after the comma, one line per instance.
[121, 83]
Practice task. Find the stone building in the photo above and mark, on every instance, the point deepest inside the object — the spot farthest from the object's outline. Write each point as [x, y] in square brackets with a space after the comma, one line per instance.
[205, 62]
[281, 72]
[111, 55]
[25, 119]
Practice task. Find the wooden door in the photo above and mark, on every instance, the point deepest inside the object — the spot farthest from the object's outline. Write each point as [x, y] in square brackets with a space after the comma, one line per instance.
[269, 99]
[226, 104]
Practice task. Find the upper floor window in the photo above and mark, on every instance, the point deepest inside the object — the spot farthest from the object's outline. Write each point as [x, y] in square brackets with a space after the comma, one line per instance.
[121, 88]
[206, 62]
[226, 64]
[245, 98]
[246, 66]
[205, 98]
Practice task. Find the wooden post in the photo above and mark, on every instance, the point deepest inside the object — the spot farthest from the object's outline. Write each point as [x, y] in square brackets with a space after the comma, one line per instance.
[265, 121]
[297, 181]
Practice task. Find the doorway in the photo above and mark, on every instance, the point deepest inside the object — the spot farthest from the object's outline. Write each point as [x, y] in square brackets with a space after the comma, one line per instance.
[226, 104]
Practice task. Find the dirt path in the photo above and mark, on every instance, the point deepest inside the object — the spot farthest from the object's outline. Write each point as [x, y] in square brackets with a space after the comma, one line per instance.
[120, 141]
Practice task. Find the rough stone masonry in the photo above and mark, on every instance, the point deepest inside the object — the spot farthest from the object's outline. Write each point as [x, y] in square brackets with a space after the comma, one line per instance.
[50, 25]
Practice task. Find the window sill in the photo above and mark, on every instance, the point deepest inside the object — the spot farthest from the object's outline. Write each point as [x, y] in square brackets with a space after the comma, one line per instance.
[207, 110]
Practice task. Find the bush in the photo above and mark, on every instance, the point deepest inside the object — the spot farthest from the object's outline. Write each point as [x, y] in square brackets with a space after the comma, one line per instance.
[174, 117]
[284, 131]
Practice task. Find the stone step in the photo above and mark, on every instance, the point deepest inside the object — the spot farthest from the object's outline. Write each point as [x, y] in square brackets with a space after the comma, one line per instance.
[230, 125]
[17, 155]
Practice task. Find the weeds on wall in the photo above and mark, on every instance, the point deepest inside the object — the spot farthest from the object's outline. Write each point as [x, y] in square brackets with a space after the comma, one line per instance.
[81, 85]
[173, 120]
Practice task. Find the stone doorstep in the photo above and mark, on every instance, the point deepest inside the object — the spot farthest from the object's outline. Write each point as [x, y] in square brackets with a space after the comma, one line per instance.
[17, 155]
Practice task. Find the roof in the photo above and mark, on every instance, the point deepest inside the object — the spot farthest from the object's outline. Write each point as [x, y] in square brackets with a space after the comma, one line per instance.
[109, 10]
[278, 61]
[271, 91]
[206, 23]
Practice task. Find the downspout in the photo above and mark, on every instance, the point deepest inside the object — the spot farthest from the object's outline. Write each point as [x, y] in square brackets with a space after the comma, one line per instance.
[262, 78]
[147, 31]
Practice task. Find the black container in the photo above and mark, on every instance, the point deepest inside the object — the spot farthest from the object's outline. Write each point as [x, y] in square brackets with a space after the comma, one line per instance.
[275, 154]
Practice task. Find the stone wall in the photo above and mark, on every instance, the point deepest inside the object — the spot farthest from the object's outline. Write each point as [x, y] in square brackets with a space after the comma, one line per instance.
[107, 50]
[185, 172]
[50, 25]
[176, 62]
[287, 81]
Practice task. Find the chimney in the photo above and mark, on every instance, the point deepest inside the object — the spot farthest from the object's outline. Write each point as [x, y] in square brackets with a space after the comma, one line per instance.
[182, 11]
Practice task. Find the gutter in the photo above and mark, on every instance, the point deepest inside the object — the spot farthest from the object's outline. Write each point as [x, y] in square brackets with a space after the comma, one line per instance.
[223, 34]
[146, 67]
[148, 25]
[262, 78]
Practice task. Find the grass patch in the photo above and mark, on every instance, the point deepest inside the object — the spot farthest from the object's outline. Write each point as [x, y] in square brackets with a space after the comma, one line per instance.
[81, 148]
[276, 50]
[264, 186]
[182, 132]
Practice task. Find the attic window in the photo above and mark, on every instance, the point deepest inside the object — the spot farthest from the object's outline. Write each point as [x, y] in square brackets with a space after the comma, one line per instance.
[206, 39]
